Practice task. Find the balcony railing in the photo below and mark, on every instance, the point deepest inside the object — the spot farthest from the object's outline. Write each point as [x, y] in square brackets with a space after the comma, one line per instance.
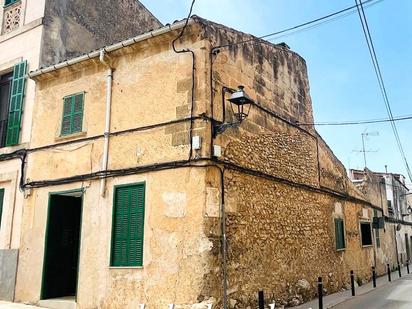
[11, 17]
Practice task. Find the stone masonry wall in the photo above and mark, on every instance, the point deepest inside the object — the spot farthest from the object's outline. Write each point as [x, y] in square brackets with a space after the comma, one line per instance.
[280, 234]
[281, 238]
[73, 27]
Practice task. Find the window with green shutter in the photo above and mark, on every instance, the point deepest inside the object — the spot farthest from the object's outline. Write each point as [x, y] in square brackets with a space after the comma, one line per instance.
[16, 103]
[1, 203]
[128, 226]
[339, 234]
[72, 120]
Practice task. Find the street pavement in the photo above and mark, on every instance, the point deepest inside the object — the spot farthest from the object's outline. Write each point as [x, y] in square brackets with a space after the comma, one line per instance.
[391, 295]
[397, 295]
[7, 305]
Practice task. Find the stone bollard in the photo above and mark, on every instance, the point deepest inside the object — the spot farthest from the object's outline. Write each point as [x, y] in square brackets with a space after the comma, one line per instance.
[142, 306]
[171, 306]
[272, 306]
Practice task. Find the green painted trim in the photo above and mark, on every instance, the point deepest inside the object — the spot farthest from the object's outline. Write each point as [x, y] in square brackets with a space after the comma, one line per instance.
[82, 190]
[73, 94]
[45, 248]
[336, 220]
[113, 214]
[2, 191]
[80, 244]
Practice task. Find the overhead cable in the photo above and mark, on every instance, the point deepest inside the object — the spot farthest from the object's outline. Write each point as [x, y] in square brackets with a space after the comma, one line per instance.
[312, 23]
[379, 76]
[356, 122]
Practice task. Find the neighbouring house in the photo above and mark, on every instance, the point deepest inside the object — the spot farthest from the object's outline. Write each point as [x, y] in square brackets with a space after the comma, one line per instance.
[379, 191]
[397, 209]
[152, 177]
[36, 33]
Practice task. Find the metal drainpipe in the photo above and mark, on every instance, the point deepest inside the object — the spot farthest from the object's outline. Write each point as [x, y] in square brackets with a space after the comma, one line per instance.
[109, 80]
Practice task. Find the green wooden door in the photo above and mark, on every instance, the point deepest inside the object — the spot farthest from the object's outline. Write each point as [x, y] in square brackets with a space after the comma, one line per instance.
[128, 225]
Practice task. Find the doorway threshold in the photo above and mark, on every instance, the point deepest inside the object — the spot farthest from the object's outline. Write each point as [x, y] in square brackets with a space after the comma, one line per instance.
[67, 302]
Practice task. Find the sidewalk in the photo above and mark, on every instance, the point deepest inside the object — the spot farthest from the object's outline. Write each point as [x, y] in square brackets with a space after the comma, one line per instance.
[332, 300]
[7, 305]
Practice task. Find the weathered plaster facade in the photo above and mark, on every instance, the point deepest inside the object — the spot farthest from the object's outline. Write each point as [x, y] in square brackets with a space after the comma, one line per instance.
[281, 185]
[42, 32]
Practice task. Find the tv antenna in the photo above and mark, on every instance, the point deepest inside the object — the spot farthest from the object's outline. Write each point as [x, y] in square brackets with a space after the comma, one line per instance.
[365, 136]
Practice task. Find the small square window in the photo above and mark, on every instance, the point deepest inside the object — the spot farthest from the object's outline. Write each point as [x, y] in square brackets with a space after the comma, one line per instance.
[339, 234]
[366, 233]
[72, 121]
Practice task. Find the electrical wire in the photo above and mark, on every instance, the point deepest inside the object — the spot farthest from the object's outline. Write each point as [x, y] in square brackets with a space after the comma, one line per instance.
[356, 122]
[181, 51]
[379, 76]
[318, 21]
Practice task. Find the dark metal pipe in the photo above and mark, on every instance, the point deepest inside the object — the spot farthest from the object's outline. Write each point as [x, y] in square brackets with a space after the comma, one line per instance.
[399, 270]
[261, 300]
[352, 282]
[389, 272]
[374, 276]
[320, 292]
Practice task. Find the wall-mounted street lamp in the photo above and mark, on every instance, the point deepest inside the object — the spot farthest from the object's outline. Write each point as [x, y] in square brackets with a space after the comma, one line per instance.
[240, 104]
[409, 210]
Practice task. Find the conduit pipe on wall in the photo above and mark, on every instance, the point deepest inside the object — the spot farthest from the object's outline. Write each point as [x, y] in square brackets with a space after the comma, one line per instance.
[105, 159]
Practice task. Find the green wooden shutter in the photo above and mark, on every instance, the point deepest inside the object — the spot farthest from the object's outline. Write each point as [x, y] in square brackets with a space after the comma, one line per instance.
[339, 234]
[72, 120]
[1, 203]
[128, 226]
[16, 103]
[67, 112]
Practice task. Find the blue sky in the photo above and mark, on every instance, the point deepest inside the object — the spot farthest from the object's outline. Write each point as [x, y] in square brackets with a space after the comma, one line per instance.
[343, 84]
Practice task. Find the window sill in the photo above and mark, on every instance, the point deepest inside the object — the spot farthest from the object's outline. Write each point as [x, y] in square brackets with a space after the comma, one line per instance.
[62, 138]
[341, 250]
[367, 246]
[10, 149]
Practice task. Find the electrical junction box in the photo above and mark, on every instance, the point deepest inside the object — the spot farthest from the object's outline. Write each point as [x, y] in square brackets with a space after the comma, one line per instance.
[196, 142]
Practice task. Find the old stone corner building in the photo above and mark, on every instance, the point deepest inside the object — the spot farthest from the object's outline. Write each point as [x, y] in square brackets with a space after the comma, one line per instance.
[145, 184]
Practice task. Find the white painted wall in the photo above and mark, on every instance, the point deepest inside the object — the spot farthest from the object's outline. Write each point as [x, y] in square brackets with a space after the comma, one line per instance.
[23, 43]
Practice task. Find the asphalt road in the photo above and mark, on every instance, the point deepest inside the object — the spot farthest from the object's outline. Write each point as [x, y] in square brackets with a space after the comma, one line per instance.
[396, 295]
